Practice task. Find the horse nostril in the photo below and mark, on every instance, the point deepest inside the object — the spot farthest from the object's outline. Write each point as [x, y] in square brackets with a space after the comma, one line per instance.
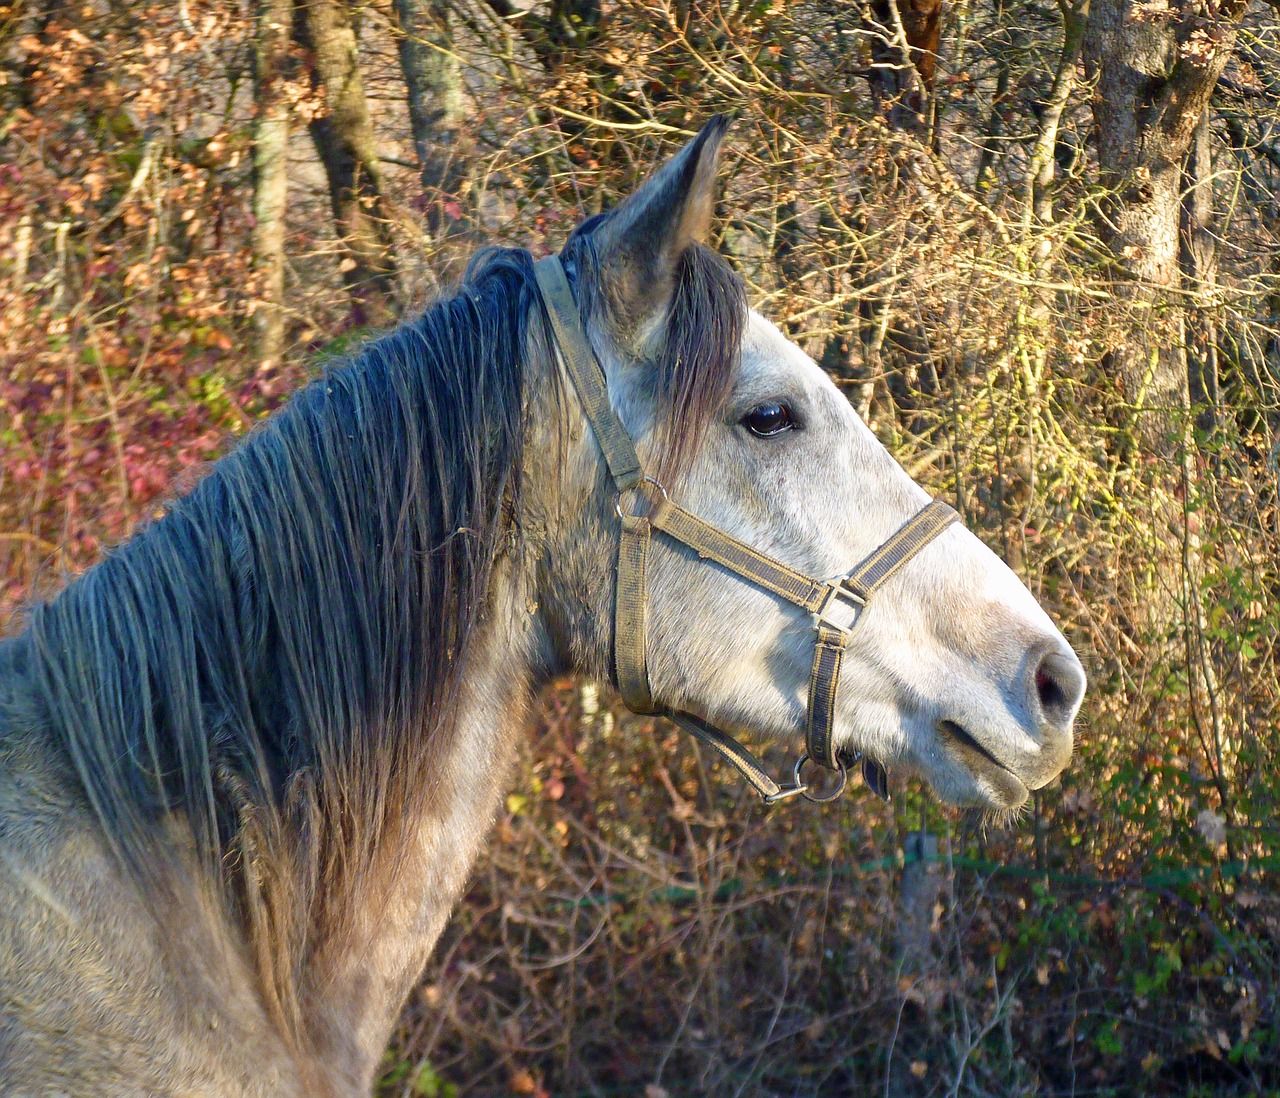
[1059, 684]
[1051, 693]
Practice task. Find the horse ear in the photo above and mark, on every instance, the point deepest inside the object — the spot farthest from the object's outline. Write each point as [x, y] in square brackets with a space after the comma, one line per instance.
[639, 246]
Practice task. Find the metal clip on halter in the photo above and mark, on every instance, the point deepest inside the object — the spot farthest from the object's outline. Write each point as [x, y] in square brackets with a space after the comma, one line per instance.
[799, 788]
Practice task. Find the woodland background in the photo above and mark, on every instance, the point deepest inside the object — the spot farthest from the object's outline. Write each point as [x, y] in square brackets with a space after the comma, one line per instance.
[1037, 245]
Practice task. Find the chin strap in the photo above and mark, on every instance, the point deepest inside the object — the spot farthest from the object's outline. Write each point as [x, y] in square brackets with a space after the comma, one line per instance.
[835, 605]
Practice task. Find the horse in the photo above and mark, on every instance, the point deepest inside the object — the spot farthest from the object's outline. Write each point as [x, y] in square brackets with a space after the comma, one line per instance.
[248, 758]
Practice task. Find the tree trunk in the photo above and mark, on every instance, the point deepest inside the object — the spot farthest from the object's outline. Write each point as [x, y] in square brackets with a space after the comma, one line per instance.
[1155, 68]
[272, 20]
[1200, 271]
[904, 56]
[1039, 181]
[904, 36]
[993, 139]
[343, 137]
[433, 79]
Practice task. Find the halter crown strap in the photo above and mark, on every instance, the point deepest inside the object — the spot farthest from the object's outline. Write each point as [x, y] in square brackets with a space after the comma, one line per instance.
[835, 604]
[619, 451]
[631, 602]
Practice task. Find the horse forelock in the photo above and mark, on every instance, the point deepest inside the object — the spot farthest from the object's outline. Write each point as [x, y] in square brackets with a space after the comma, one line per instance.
[272, 660]
[701, 354]
[698, 346]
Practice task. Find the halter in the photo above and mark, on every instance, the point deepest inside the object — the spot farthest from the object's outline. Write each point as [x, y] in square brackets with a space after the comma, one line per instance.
[643, 506]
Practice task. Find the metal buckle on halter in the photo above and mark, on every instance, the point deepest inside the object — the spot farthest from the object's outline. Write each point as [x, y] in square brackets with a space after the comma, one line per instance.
[838, 599]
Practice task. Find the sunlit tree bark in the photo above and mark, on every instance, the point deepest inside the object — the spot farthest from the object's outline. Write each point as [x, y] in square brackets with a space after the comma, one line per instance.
[272, 21]
[1040, 173]
[1199, 261]
[1155, 66]
[344, 139]
[433, 83]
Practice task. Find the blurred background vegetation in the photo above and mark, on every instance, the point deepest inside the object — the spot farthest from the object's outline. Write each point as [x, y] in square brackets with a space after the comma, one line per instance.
[1037, 245]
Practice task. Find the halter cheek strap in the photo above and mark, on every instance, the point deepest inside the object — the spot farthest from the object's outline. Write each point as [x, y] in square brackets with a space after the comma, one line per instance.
[835, 605]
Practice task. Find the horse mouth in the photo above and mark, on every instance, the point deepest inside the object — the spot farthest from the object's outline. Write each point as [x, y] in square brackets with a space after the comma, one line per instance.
[1010, 790]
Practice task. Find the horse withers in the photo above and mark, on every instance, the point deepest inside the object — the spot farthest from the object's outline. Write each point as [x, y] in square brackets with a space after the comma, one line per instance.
[248, 759]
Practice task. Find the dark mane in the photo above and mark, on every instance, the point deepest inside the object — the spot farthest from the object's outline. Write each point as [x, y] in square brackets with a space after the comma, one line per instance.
[273, 656]
[272, 661]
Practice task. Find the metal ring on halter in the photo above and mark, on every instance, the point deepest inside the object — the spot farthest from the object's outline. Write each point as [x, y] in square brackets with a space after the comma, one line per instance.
[804, 786]
[617, 506]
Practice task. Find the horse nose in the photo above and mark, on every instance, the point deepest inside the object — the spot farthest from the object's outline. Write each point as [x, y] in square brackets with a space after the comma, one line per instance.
[1056, 688]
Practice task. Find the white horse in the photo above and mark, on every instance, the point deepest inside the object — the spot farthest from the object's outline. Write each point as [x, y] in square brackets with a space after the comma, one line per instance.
[247, 761]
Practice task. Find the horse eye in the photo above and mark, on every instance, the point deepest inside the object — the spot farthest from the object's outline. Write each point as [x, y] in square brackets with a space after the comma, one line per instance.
[769, 420]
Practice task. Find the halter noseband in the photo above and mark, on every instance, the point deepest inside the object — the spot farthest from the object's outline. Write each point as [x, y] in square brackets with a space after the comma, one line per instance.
[836, 605]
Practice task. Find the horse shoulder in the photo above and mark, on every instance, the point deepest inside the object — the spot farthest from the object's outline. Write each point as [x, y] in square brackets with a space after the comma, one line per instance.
[93, 991]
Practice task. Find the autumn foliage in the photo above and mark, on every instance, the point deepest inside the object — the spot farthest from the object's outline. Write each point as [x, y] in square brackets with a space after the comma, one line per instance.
[959, 258]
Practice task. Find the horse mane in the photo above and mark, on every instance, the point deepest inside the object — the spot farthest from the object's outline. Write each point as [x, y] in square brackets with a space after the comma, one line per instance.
[271, 661]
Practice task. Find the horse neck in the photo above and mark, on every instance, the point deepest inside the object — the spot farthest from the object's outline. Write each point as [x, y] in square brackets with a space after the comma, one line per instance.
[356, 988]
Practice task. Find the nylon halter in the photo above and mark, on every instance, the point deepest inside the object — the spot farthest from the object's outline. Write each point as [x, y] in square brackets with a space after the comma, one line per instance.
[836, 605]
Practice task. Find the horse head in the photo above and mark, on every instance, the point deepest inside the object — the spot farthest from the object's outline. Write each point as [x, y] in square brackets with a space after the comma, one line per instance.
[950, 670]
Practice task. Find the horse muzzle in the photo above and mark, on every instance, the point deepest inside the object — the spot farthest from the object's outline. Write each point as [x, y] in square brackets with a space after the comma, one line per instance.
[1010, 767]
